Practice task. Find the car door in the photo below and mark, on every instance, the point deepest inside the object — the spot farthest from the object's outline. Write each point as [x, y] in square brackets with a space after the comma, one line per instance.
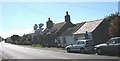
[76, 48]
[80, 44]
[73, 48]
[118, 46]
[115, 46]
[111, 47]
[107, 48]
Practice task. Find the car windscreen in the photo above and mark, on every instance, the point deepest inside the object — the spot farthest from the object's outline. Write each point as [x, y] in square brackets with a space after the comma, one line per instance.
[81, 42]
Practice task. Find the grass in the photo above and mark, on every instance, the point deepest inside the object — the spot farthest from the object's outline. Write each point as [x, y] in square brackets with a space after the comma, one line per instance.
[37, 45]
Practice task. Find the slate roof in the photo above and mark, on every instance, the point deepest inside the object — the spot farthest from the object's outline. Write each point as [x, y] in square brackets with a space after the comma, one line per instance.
[54, 29]
[45, 31]
[89, 26]
[58, 26]
[71, 30]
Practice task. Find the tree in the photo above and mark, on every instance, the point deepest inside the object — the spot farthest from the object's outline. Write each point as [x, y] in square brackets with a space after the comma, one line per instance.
[15, 38]
[114, 20]
[114, 30]
[111, 17]
[26, 39]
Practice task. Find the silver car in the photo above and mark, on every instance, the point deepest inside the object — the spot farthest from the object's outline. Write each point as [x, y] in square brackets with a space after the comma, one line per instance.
[83, 46]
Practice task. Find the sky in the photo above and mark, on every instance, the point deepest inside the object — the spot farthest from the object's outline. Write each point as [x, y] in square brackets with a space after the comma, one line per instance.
[20, 17]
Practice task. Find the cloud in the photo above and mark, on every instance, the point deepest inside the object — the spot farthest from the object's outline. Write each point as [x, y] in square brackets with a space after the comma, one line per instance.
[19, 32]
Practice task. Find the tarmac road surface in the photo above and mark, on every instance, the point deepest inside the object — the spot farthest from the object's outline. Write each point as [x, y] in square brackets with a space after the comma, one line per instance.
[10, 51]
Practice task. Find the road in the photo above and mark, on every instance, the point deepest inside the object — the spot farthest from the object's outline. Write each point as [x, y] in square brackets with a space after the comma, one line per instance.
[10, 51]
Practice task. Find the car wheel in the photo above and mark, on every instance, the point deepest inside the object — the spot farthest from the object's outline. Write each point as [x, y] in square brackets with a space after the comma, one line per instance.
[82, 50]
[68, 49]
[99, 52]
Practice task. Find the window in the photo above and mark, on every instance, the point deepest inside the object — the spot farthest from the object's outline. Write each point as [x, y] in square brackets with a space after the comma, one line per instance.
[112, 41]
[80, 42]
[64, 40]
[57, 40]
[117, 40]
[75, 38]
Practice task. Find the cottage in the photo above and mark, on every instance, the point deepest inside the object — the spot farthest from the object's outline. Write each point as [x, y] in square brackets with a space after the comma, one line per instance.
[97, 31]
[67, 37]
[65, 33]
[53, 30]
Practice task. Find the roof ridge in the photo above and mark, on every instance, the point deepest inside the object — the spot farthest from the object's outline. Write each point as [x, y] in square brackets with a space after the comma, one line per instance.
[59, 23]
[61, 26]
[79, 26]
[94, 20]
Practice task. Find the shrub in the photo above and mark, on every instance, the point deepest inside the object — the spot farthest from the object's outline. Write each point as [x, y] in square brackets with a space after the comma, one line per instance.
[37, 45]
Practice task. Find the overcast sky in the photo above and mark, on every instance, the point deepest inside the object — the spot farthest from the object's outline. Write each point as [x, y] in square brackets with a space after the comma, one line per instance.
[20, 17]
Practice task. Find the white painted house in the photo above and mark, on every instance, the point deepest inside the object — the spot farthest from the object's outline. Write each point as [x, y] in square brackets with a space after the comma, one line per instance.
[96, 30]
[67, 38]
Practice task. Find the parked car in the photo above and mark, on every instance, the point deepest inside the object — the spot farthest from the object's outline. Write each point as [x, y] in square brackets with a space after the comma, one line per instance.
[112, 47]
[83, 46]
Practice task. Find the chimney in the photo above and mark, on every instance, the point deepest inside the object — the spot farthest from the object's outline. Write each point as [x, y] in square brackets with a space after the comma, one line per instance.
[67, 17]
[49, 23]
[40, 25]
[35, 26]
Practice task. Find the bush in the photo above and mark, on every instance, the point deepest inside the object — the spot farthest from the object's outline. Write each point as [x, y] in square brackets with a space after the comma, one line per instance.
[37, 45]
